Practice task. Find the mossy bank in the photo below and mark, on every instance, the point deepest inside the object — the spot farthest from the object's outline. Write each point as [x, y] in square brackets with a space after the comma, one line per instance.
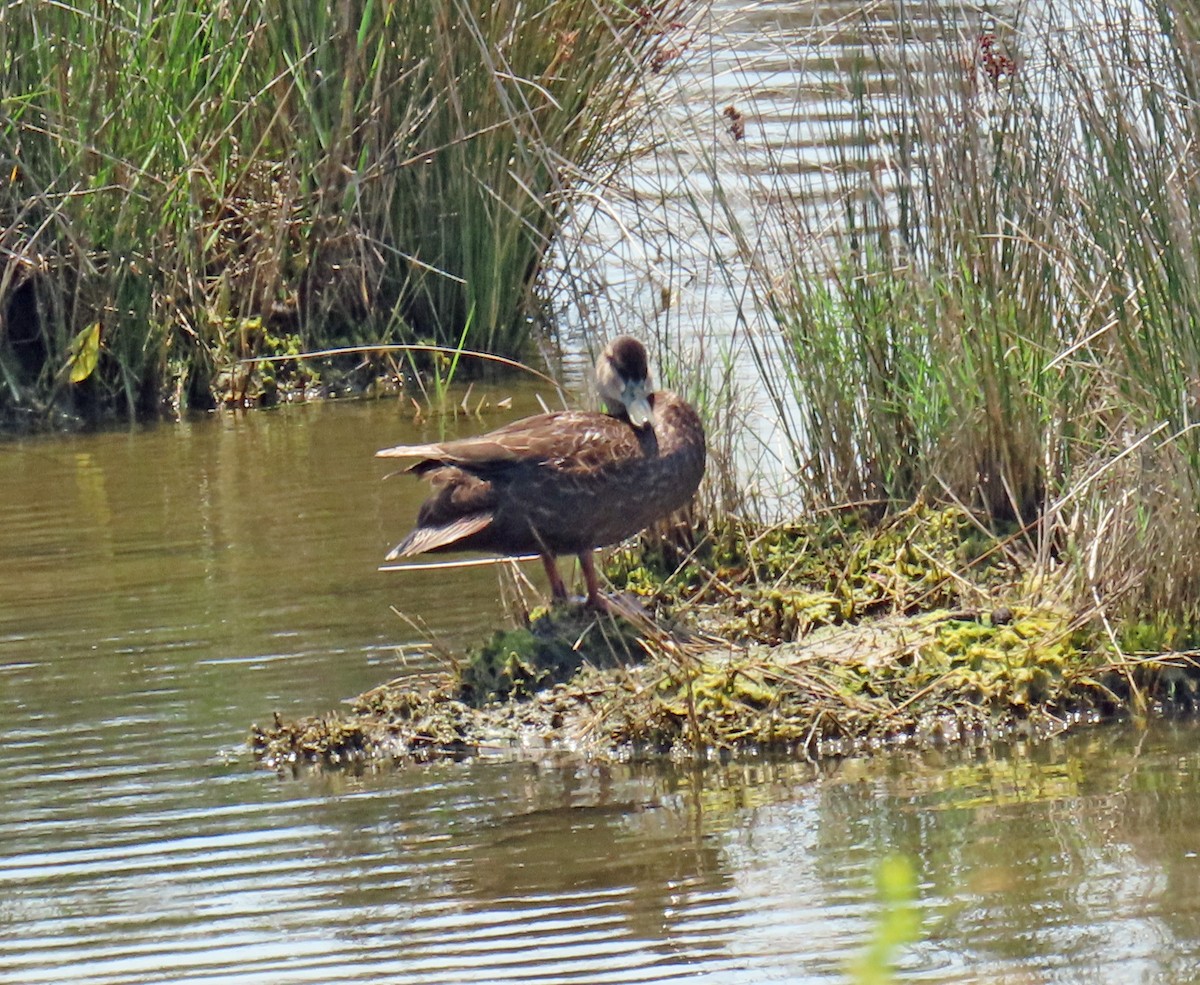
[820, 638]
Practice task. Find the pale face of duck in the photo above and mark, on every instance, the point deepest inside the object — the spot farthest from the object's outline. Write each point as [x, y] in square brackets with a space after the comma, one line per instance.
[623, 380]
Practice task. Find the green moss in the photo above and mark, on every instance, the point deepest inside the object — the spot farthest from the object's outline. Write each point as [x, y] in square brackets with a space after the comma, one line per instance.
[555, 644]
[799, 577]
[720, 706]
[904, 672]
[906, 631]
[1019, 664]
[780, 614]
[668, 564]
[1157, 634]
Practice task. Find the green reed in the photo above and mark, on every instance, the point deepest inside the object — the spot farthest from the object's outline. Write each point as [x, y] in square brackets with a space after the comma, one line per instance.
[1005, 307]
[210, 182]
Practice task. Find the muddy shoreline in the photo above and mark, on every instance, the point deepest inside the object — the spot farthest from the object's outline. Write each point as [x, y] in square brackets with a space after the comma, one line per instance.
[807, 640]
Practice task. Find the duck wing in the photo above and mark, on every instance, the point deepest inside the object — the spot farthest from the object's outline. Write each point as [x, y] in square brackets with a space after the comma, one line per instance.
[569, 441]
[472, 477]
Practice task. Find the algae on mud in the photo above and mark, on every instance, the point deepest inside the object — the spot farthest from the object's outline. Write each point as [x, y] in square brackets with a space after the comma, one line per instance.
[815, 638]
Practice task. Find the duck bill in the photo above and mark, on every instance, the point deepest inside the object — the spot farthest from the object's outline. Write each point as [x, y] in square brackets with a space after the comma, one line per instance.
[637, 405]
[640, 412]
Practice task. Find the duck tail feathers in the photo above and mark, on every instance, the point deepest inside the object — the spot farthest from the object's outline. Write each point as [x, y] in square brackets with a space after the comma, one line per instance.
[426, 539]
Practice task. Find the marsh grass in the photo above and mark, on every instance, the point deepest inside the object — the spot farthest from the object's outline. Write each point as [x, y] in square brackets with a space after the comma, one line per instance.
[992, 296]
[210, 183]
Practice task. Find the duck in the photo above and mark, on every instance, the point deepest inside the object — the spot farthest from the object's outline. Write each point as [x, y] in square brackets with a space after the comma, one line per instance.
[567, 482]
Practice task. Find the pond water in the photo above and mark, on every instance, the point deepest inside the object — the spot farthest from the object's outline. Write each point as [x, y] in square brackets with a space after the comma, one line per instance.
[164, 588]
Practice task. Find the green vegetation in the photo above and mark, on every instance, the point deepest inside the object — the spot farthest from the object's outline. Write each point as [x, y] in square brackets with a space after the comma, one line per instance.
[185, 186]
[993, 299]
[897, 925]
[549, 650]
[817, 639]
[980, 338]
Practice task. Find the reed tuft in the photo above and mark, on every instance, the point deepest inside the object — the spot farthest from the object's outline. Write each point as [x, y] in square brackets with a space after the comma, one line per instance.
[211, 182]
[989, 294]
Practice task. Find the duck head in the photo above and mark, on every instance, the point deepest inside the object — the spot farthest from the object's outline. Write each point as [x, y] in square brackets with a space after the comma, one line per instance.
[623, 380]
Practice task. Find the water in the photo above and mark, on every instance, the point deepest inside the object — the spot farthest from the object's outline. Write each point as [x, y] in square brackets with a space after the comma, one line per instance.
[164, 588]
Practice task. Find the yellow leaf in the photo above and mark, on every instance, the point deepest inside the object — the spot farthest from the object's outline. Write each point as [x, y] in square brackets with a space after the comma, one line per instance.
[85, 353]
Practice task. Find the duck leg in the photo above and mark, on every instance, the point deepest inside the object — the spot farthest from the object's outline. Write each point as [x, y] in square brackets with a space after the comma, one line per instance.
[594, 599]
[558, 590]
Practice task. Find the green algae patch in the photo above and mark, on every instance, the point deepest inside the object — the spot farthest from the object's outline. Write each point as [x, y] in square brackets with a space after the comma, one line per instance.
[893, 680]
[817, 639]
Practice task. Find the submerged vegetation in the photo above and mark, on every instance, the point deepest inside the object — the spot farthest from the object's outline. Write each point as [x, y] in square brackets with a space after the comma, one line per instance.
[183, 187]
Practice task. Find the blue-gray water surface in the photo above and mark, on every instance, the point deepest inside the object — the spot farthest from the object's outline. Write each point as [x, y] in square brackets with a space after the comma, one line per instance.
[163, 588]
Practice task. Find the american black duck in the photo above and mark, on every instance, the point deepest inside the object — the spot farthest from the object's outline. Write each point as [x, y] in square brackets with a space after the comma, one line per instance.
[563, 483]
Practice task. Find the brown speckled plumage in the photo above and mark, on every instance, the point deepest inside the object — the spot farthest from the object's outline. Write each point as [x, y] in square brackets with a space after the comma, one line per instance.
[563, 483]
